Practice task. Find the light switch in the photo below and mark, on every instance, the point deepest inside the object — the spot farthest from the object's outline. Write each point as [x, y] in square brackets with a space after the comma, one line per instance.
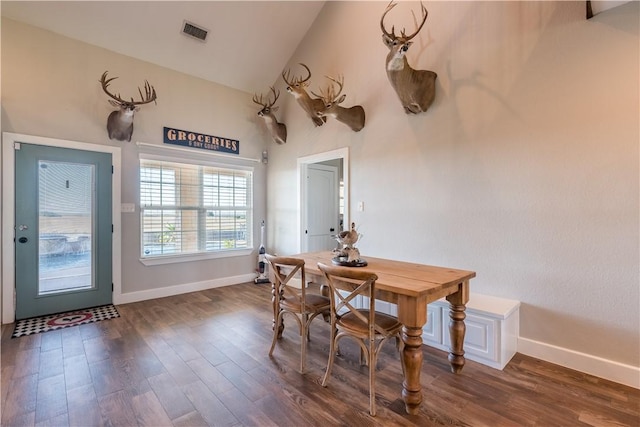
[360, 206]
[128, 207]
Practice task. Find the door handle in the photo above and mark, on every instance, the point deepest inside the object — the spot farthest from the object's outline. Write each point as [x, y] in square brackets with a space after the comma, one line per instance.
[23, 240]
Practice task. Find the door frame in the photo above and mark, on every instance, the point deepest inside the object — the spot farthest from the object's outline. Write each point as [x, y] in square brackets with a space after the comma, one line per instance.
[8, 212]
[303, 162]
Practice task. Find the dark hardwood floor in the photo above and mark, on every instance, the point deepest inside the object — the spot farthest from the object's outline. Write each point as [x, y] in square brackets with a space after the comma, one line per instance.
[201, 359]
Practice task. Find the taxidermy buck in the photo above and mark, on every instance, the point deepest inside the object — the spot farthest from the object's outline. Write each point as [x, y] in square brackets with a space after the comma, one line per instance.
[311, 106]
[120, 121]
[352, 116]
[415, 88]
[277, 130]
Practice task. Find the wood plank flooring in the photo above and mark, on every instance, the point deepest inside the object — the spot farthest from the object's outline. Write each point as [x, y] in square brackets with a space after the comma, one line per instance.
[200, 359]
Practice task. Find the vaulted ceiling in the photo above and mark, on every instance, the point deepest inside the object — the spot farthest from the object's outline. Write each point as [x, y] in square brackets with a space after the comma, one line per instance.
[248, 43]
[247, 46]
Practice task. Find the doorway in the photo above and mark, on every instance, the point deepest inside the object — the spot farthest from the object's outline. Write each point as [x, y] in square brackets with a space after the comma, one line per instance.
[323, 214]
[10, 229]
[63, 235]
[321, 207]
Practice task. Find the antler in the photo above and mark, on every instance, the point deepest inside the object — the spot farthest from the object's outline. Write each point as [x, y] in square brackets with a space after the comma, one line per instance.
[258, 101]
[296, 80]
[392, 35]
[424, 19]
[105, 83]
[330, 96]
[149, 96]
[267, 104]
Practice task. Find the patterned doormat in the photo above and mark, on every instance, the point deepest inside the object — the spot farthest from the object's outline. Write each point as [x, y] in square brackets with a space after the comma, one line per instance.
[52, 322]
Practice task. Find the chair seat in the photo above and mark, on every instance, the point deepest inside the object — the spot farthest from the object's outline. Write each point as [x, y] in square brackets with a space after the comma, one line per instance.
[355, 325]
[313, 303]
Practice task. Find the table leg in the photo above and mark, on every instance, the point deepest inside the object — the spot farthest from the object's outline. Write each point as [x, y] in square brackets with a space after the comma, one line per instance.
[412, 364]
[457, 331]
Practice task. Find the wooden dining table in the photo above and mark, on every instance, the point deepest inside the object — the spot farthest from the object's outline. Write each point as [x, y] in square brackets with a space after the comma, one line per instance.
[412, 286]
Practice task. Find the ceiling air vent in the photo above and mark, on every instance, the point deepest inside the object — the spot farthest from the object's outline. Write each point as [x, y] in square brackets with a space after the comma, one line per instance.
[192, 30]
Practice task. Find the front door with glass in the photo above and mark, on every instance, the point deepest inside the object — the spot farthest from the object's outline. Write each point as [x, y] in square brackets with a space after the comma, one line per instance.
[63, 229]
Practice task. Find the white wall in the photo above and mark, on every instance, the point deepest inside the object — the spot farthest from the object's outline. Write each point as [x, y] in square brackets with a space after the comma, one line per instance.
[50, 88]
[524, 170]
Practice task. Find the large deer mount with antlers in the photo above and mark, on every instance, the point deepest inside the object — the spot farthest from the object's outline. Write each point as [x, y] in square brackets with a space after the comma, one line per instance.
[416, 89]
[353, 117]
[296, 86]
[277, 130]
[120, 121]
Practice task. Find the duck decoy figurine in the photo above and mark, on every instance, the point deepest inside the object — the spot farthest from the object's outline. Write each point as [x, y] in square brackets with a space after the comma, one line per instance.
[346, 254]
[348, 238]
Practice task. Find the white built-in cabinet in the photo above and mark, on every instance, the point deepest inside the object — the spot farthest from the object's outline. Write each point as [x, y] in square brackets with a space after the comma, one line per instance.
[492, 327]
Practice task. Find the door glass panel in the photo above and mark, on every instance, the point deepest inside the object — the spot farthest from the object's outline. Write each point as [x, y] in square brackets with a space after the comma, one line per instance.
[65, 226]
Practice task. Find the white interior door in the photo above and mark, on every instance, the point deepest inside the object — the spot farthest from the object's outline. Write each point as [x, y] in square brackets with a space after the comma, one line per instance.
[322, 211]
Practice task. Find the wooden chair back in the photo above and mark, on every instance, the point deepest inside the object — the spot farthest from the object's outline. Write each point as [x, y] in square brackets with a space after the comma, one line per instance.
[289, 296]
[370, 329]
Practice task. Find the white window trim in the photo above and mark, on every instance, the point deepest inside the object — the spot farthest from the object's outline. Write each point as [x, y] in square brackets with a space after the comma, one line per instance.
[172, 259]
[190, 153]
[148, 151]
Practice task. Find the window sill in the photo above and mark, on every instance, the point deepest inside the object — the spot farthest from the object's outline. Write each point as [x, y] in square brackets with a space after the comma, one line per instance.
[171, 259]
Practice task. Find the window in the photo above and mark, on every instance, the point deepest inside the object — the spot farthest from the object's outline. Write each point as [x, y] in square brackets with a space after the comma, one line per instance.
[191, 209]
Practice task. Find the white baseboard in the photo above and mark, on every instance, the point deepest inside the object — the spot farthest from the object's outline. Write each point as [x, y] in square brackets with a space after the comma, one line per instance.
[602, 368]
[168, 291]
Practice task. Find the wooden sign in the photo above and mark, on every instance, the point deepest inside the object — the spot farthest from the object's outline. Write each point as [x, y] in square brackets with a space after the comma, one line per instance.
[186, 138]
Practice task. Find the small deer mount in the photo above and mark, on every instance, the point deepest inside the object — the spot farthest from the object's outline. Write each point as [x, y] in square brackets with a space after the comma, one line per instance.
[120, 121]
[277, 130]
[415, 88]
[353, 117]
[311, 106]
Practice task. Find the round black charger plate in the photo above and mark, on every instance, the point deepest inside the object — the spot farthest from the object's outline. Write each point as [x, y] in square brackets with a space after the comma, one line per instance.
[342, 261]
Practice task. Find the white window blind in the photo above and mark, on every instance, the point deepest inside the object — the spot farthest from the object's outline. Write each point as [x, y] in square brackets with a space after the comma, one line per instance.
[194, 208]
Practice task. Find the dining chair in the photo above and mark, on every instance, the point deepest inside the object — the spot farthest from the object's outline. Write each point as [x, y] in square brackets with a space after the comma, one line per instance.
[290, 296]
[370, 329]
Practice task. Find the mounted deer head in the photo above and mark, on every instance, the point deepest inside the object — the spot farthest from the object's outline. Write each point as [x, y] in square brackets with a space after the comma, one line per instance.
[311, 106]
[352, 116]
[277, 130]
[120, 121]
[415, 88]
